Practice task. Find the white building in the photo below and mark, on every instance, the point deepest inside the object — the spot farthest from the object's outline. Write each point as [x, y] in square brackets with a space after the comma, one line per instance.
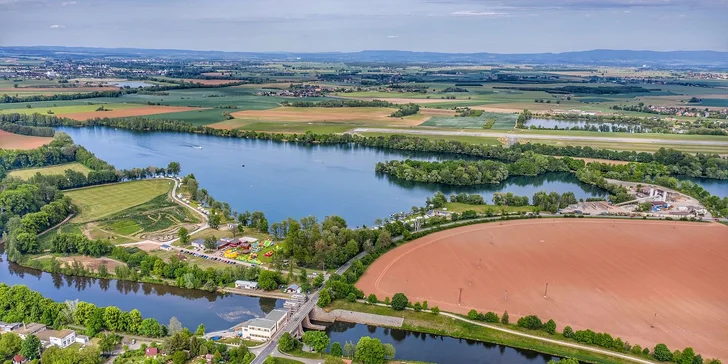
[262, 329]
[59, 338]
[246, 285]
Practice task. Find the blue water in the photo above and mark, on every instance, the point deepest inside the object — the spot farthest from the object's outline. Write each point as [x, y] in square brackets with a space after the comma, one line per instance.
[288, 180]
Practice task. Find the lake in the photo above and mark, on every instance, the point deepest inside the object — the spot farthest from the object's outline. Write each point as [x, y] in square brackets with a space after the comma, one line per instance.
[288, 180]
[568, 124]
[430, 348]
[192, 307]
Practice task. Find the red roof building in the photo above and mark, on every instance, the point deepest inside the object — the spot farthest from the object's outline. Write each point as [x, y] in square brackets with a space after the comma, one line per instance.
[151, 352]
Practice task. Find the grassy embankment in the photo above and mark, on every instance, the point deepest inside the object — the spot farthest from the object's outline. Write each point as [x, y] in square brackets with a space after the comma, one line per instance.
[482, 209]
[441, 325]
[58, 169]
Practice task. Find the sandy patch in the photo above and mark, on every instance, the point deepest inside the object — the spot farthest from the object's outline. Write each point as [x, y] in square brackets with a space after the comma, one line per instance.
[90, 262]
[24, 142]
[606, 275]
[122, 113]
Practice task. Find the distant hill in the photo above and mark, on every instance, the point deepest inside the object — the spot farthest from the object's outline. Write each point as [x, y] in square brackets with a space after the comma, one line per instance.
[606, 57]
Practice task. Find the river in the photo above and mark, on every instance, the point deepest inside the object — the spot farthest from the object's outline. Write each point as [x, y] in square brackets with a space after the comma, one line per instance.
[192, 307]
[288, 180]
[430, 348]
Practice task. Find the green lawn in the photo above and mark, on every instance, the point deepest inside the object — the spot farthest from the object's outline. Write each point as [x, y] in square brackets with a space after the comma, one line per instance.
[441, 325]
[197, 117]
[50, 170]
[502, 121]
[97, 202]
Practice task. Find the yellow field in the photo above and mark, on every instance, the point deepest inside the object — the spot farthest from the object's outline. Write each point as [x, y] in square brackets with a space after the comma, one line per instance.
[50, 170]
[97, 202]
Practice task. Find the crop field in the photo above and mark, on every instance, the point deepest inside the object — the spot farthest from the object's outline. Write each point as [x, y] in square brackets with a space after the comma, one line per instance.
[285, 128]
[644, 281]
[63, 109]
[96, 203]
[50, 170]
[344, 115]
[24, 142]
[503, 121]
[197, 117]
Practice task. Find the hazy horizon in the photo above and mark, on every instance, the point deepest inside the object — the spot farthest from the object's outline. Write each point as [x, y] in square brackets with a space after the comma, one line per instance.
[448, 26]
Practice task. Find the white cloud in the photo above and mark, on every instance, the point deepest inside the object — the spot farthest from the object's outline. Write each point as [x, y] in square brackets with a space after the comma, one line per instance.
[68, 3]
[57, 26]
[476, 13]
[392, 36]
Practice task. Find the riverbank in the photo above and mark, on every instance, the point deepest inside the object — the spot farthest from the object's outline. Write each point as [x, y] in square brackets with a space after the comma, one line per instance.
[451, 325]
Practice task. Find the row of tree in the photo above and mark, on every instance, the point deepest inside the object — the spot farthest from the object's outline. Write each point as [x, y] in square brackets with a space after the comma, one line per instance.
[39, 131]
[339, 103]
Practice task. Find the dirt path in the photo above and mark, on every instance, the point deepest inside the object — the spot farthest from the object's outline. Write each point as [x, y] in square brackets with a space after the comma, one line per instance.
[542, 136]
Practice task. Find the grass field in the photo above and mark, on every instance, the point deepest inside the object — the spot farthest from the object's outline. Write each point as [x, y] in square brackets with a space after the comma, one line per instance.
[63, 109]
[98, 202]
[23, 142]
[294, 127]
[502, 121]
[50, 170]
[460, 207]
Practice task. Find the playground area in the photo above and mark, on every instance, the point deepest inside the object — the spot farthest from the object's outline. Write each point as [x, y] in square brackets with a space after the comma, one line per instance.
[254, 252]
[647, 282]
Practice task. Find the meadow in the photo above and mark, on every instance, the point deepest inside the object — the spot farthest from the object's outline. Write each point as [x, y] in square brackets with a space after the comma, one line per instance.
[95, 203]
[58, 169]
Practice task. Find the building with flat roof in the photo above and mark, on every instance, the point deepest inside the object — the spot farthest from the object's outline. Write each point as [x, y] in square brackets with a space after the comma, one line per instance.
[262, 329]
[29, 329]
[59, 338]
[246, 284]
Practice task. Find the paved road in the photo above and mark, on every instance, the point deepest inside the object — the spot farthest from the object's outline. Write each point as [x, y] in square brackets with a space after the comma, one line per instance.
[542, 136]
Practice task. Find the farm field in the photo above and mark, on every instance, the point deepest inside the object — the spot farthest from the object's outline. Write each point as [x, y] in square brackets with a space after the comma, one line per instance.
[606, 275]
[324, 114]
[129, 110]
[50, 170]
[60, 108]
[95, 203]
[503, 121]
[285, 128]
[24, 142]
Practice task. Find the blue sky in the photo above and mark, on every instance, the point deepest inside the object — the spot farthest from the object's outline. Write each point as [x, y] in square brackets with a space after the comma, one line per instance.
[506, 26]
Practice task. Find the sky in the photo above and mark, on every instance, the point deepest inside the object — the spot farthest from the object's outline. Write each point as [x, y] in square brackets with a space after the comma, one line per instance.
[498, 26]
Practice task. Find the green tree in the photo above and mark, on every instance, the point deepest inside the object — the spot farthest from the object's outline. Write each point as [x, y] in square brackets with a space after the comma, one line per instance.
[688, 356]
[173, 168]
[210, 242]
[530, 322]
[200, 330]
[135, 321]
[504, 318]
[564, 361]
[179, 357]
[389, 351]
[349, 349]
[9, 345]
[370, 351]
[112, 318]
[317, 340]
[372, 298]
[336, 349]
[550, 327]
[332, 360]
[324, 298]
[473, 314]
[184, 236]
[214, 220]
[661, 353]
[569, 332]
[30, 348]
[399, 302]
[269, 280]
[287, 342]
[108, 342]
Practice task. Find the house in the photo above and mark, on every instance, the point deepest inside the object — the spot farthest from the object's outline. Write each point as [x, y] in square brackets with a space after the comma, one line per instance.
[59, 338]
[151, 352]
[198, 243]
[9, 327]
[248, 239]
[165, 247]
[29, 329]
[19, 359]
[246, 284]
[82, 339]
[294, 288]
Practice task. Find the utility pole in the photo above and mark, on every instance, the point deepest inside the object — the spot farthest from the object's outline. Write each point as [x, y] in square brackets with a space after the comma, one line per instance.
[546, 291]
[460, 298]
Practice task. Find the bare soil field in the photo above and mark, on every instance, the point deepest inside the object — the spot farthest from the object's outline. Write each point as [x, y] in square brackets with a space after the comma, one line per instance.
[210, 82]
[52, 90]
[24, 142]
[123, 113]
[378, 116]
[401, 100]
[617, 276]
[91, 262]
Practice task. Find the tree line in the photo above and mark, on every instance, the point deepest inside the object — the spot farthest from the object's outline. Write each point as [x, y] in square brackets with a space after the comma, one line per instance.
[406, 110]
[339, 103]
[39, 131]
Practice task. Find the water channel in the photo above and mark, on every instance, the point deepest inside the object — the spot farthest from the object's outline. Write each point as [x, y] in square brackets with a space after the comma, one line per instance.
[430, 348]
[192, 307]
[286, 180]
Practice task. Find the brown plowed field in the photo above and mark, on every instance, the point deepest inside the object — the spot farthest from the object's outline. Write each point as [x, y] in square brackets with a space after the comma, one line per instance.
[24, 142]
[123, 113]
[606, 275]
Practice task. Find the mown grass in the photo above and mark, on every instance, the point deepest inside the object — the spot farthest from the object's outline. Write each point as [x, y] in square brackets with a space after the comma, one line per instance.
[95, 203]
[442, 325]
[460, 207]
[50, 170]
